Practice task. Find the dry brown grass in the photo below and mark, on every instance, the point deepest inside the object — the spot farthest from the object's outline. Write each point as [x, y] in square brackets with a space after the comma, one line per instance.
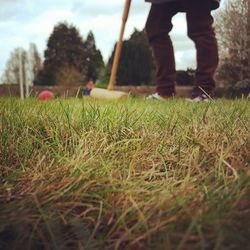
[78, 174]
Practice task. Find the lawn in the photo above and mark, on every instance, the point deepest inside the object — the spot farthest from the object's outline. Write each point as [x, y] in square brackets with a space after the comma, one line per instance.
[134, 174]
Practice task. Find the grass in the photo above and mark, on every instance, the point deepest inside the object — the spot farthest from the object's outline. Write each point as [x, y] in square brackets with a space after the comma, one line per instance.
[135, 174]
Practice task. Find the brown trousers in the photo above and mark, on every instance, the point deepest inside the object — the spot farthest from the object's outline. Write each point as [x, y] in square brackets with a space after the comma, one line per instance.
[200, 30]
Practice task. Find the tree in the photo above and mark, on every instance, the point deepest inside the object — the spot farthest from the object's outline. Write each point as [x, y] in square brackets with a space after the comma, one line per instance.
[11, 73]
[233, 31]
[136, 66]
[94, 59]
[65, 49]
[185, 77]
[68, 75]
[34, 63]
[22, 67]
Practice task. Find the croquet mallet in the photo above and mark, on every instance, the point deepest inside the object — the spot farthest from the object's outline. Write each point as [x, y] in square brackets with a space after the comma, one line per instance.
[110, 93]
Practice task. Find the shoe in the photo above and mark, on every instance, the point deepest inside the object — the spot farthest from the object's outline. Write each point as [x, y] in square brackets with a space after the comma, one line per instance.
[199, 98]
[156, 96]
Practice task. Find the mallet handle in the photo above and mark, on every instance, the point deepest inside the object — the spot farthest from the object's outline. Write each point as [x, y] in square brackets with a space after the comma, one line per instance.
[119, 46]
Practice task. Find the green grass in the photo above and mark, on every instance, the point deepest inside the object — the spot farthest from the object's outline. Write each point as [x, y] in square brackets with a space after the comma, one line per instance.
[135, 174]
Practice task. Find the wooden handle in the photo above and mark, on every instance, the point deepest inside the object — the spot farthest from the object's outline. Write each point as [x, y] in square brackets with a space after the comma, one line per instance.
[119, 46]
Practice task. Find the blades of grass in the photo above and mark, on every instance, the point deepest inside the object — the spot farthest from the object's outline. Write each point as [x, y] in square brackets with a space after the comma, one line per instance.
[97, 224]
[188, 231]
[54, 242]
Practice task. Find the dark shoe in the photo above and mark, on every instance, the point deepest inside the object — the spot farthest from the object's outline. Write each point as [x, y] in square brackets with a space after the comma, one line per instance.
[200, 98]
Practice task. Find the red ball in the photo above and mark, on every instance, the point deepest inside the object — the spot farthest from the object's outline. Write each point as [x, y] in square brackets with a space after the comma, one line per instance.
[46, 95]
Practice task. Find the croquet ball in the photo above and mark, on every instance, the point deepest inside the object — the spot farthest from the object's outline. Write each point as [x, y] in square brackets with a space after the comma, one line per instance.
[46, 95]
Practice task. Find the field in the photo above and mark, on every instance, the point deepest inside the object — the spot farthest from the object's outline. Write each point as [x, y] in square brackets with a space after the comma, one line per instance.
[135, 174]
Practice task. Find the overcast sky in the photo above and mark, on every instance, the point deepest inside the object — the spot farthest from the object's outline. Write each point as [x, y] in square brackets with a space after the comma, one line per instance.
[25, 21]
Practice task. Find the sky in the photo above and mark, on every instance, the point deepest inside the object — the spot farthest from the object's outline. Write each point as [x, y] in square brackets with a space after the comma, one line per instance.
[26, 21]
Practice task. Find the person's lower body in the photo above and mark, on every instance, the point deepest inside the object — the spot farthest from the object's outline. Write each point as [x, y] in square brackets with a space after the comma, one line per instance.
[200, 30]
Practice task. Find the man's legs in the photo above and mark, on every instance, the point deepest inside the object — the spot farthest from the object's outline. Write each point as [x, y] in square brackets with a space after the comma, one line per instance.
[200, 30]
[158, 27]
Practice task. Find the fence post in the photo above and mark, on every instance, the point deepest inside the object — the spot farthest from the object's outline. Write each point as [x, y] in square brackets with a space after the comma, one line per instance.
[21, 74]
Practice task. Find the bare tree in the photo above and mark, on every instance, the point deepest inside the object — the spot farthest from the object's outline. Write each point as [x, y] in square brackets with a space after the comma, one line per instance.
[23, 67]
[11, 74]
[34, 63]
[233, 31]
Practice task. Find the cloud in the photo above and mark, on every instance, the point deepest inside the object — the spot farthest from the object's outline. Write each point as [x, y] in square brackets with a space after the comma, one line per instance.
[185, 59]
[111, 7]
[95, 7]
[9, 9]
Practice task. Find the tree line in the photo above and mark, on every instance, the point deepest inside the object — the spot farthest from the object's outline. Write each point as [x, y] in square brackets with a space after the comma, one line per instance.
[71, 60]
